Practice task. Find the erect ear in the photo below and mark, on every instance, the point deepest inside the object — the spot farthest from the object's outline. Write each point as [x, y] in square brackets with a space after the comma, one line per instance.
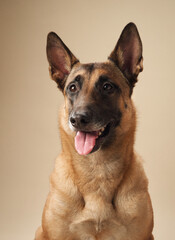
[127, 54]
[60, 58]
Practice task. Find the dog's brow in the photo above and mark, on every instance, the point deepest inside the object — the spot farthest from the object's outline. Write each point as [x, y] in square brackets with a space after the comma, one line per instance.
[78, 78]
[89, 68]
[103, 78]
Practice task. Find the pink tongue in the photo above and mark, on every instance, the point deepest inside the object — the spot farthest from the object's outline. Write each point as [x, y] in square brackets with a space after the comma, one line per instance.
[85, 142]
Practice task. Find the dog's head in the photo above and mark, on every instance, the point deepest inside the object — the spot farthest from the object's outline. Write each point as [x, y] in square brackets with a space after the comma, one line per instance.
[98, 95]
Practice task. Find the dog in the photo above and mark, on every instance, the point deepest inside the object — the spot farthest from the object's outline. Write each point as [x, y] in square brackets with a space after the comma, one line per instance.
[98, 189]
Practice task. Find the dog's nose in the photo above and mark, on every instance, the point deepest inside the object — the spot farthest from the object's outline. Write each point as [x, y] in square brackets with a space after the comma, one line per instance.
[79, 120]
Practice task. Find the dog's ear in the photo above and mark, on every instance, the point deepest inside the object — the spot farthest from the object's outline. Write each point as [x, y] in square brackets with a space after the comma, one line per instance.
[60, 59]
[127, 54]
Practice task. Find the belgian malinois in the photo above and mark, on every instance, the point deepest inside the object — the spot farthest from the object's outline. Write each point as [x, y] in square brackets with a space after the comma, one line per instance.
[98, 187]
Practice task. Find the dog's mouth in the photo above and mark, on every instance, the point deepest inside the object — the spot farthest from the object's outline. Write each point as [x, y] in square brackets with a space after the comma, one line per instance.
[88, 142]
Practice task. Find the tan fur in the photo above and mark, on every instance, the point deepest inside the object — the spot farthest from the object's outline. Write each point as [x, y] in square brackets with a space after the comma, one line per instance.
[102, 195]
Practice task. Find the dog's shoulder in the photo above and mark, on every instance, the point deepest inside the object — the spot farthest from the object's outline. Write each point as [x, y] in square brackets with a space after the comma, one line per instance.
[134, 180]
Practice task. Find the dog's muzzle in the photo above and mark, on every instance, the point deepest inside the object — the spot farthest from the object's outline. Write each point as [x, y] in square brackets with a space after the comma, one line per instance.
[90, 133]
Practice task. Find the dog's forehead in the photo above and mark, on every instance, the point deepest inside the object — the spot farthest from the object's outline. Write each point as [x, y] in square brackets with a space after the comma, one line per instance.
[93, 71]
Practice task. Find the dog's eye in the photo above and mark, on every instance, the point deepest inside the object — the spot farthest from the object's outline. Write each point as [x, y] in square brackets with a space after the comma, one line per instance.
[73, 88]
[108, 87]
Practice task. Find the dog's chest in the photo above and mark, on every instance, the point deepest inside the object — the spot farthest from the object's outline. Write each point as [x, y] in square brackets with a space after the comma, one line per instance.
[98, 189]
[98, 207]
[95, 216]
[99, 180]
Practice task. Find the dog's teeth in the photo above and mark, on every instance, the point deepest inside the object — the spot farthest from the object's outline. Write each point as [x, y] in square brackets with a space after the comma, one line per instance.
[101, 131]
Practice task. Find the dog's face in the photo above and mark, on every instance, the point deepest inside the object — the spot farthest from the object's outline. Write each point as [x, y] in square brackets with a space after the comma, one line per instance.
[94, 93]
[98, 95]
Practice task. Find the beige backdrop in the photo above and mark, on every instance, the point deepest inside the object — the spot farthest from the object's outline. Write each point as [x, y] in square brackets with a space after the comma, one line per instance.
[30, 100]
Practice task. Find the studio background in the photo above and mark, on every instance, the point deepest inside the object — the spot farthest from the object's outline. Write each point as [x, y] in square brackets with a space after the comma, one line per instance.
[29, 100]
